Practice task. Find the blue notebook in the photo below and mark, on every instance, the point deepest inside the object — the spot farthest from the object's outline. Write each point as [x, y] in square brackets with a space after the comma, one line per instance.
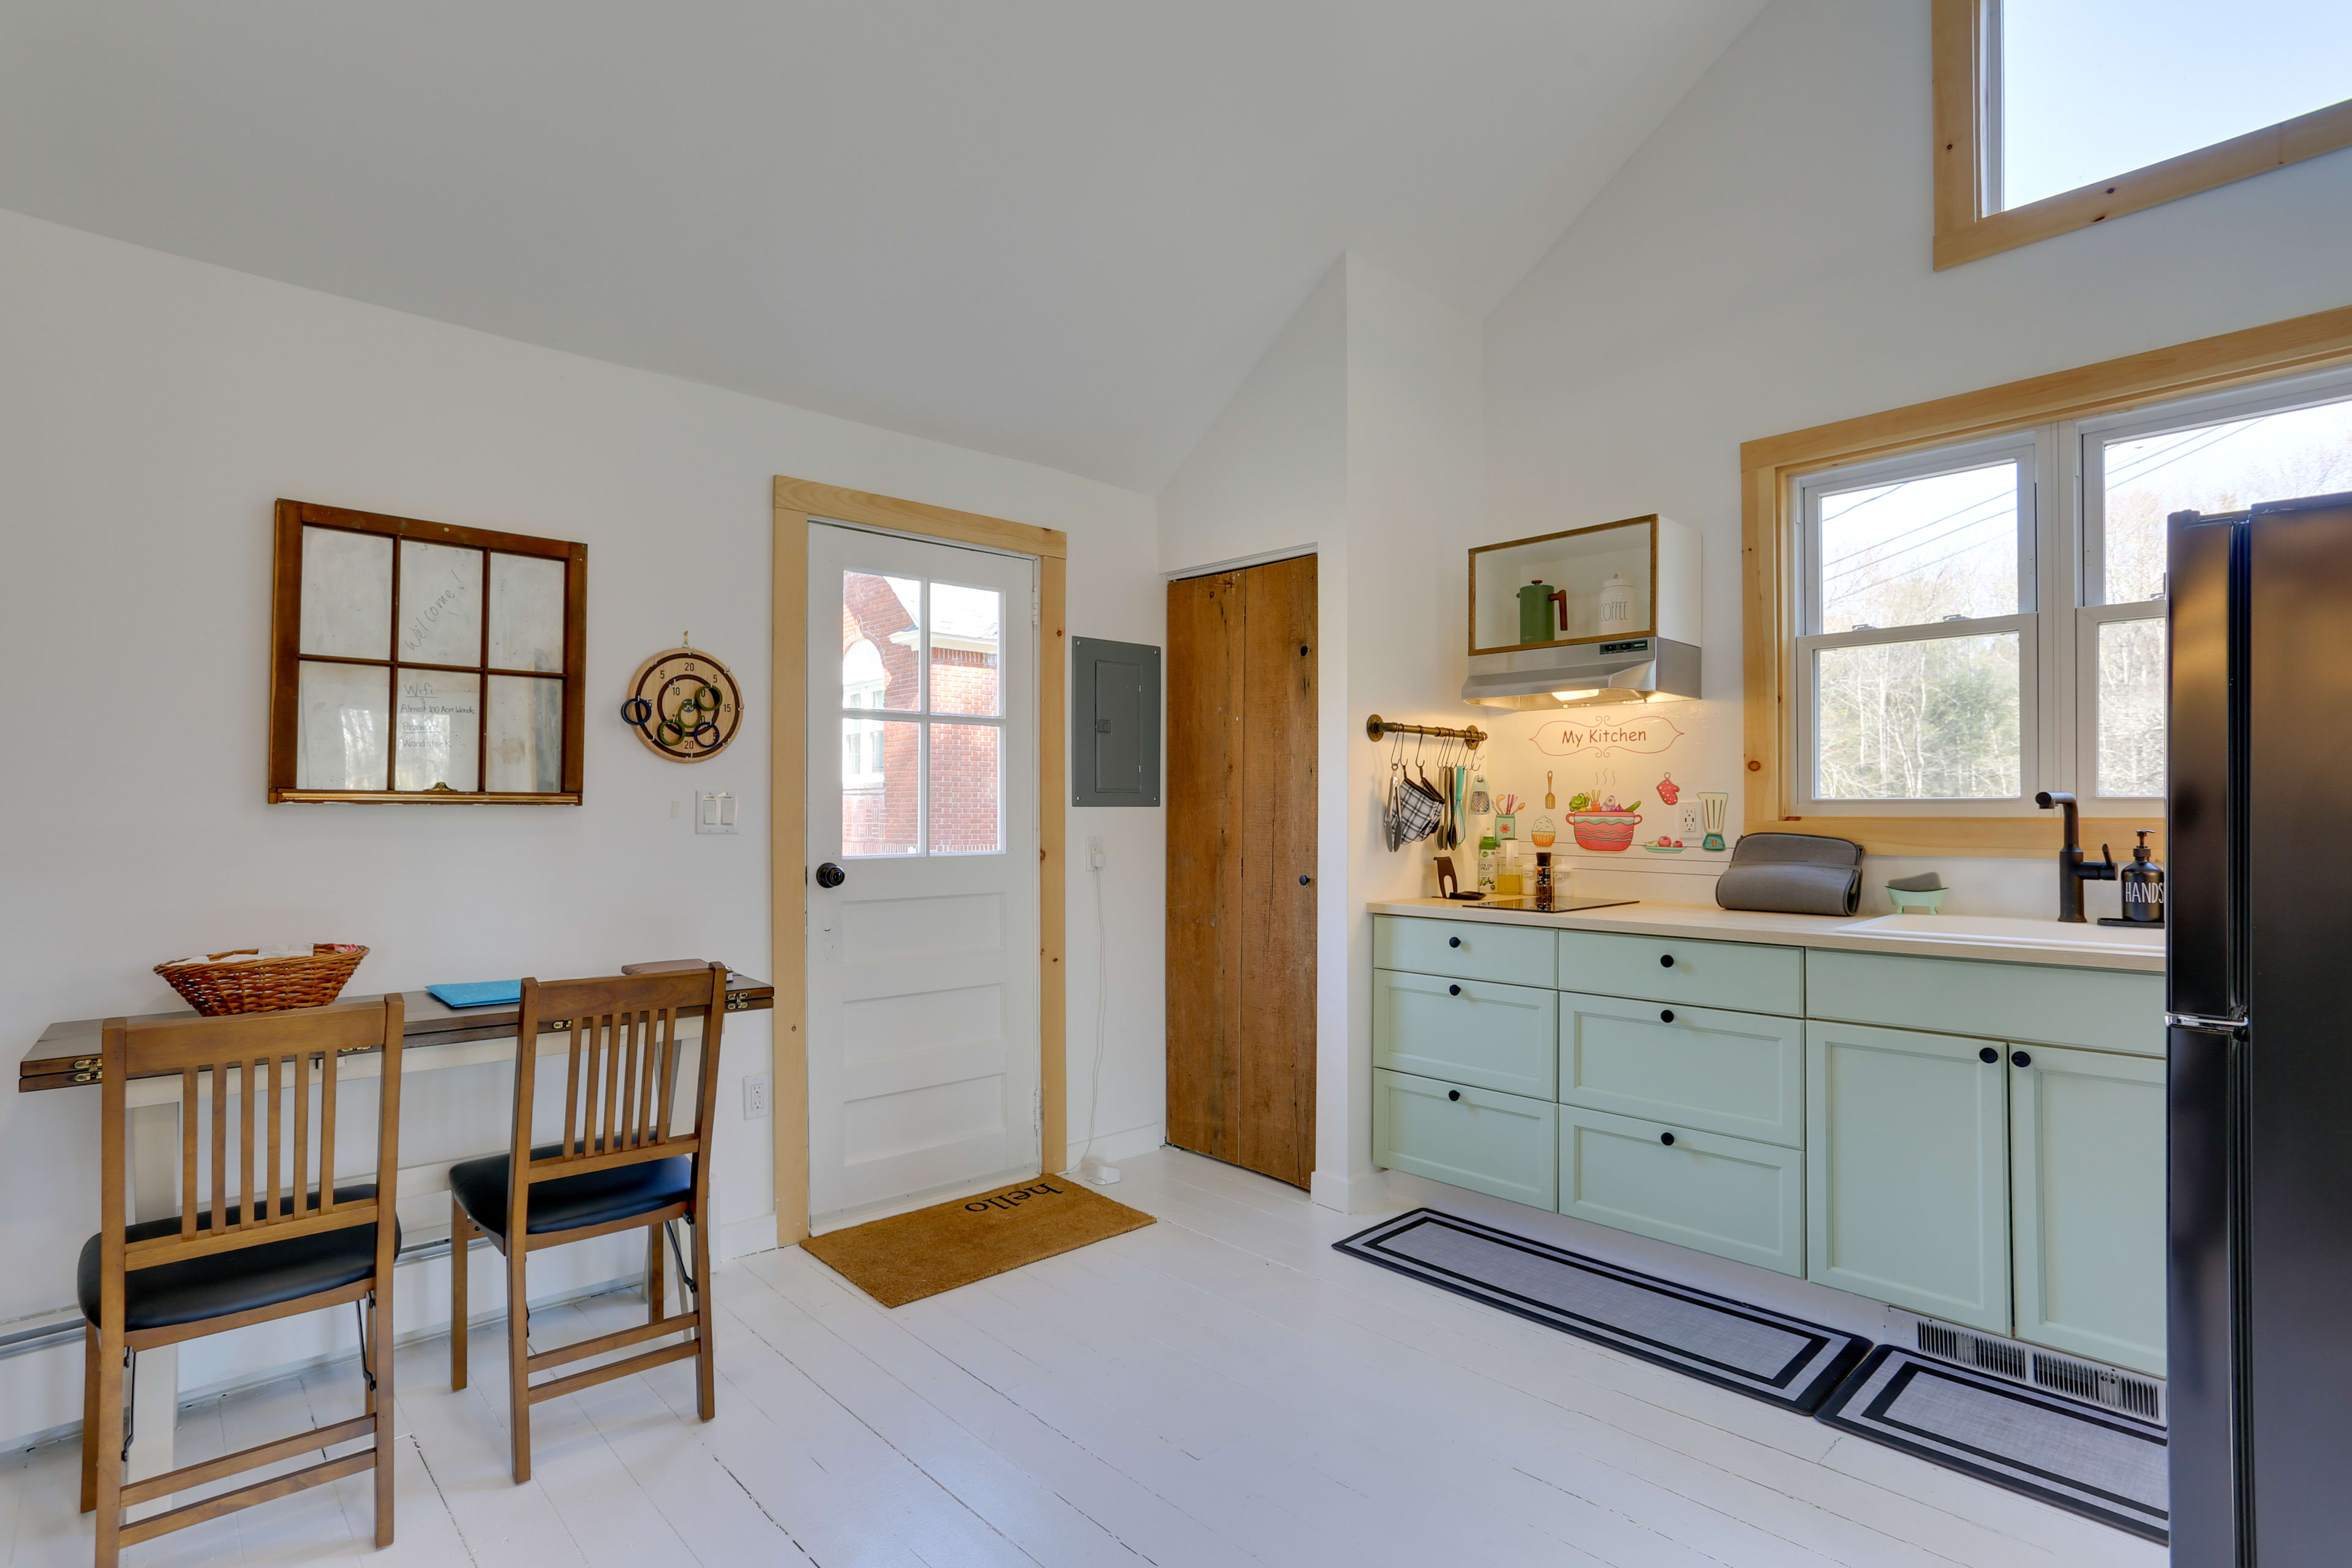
[478, 993]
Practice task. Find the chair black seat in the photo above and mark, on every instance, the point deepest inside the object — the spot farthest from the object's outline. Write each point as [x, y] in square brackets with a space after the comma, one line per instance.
[264, 1275]
[571, 1202]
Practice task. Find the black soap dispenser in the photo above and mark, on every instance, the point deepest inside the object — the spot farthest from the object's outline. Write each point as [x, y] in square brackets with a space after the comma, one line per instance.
[2143, 888]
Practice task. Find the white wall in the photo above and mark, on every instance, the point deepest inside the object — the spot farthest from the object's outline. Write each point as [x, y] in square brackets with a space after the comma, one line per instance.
[151, 410]
[1356, 436]
[1762, 265]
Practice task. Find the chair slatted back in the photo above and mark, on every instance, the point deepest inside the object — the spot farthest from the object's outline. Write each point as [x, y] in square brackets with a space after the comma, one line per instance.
[620, 1087]
[239, 1068]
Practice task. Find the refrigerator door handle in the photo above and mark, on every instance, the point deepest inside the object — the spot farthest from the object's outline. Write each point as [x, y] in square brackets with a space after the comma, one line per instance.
[2211, 1026]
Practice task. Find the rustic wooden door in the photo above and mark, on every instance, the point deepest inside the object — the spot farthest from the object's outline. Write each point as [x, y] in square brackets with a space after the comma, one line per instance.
[1241, 656]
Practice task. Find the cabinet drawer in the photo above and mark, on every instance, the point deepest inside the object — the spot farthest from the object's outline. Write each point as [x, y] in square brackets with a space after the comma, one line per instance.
[1730, 1196]
[1467, 1031]
[2099, 1009]
[1740, 1074]
[1746, 976]
[1464, 950]
[1500, 1144]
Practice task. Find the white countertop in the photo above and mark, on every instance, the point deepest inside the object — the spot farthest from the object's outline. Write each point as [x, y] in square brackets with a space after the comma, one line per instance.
[2004, 942]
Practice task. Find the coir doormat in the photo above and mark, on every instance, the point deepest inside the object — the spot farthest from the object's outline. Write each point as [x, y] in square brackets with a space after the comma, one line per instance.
[911, 1256]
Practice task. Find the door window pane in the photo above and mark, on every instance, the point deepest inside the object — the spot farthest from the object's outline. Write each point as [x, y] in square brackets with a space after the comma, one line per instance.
[1919, 551]
[2131, 706]
[2209, 468]
[967, 789]
[526, 735]
[343, 727]
[881, 787]
[2093, 88]
[1918, 720]
[438, 726]
[887, 614]
[967, 644]
[440, 604]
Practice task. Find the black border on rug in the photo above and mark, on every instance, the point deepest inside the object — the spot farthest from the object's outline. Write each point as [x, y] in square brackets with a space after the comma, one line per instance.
[1804, 1402]
[1832, 1413]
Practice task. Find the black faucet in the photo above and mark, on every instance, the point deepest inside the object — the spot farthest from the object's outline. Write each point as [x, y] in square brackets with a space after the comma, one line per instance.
[2073, 869]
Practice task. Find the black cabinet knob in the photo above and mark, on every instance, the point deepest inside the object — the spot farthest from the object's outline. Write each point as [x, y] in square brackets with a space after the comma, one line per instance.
[1304, 878]
[1667, 1139]
[1665, 1014]
[1454, 941]
[2018, 1058]
[1452, 1094]
[1987, 1055]
[831, 876]
[1453, 990]
[1665, 960]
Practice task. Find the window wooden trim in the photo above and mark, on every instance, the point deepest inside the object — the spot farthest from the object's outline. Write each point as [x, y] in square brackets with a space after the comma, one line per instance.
[286, 656]
[797, 504]
[1769, 467]
[1963, 30]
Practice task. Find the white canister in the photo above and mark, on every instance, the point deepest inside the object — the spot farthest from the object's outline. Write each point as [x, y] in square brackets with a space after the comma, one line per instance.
[1616, 605]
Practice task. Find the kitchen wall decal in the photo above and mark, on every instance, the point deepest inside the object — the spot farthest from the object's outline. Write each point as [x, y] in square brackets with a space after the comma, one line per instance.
[1600, 823]
[1646, 735]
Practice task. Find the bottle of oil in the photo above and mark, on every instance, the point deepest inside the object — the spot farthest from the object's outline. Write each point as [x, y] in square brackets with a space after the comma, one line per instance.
[2142, 886]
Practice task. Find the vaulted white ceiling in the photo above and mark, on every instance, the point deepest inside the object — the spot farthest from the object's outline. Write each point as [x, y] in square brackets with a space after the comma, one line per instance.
[1062, 230]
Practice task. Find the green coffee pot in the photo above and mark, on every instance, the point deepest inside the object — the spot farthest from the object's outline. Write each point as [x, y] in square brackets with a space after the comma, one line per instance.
[1535, 602]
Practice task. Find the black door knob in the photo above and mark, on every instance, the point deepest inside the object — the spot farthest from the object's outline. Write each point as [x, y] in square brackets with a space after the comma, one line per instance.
[1665, 960]
[1665, 1014]
[1452, 1094]
[2018, 1058]
[1987, 1055]
[1454, 941]
[1304, 879]
[1667, 1139]
[1453, 990]
[831, 876]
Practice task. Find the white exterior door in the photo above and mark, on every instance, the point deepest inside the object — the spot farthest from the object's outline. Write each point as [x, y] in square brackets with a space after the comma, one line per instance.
[923, 887]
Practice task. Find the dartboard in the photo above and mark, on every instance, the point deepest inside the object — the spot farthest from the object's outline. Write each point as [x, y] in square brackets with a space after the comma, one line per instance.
[684, 704]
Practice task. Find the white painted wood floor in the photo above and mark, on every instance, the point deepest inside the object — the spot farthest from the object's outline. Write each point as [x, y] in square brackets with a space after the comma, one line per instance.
[1219, 1388]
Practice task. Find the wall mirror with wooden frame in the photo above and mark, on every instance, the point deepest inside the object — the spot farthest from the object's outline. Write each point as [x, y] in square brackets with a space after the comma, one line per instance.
[422, 661]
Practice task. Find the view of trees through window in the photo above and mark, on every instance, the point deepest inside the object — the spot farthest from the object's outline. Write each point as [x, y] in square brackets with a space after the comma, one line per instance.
[1930, 718]
[1920, 622]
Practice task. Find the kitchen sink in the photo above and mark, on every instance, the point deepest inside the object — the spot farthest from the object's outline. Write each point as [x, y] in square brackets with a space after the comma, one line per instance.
[2008, 930]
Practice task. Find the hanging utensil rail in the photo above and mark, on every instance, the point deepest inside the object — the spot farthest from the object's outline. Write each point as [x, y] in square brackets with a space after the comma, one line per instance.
[1378, 727]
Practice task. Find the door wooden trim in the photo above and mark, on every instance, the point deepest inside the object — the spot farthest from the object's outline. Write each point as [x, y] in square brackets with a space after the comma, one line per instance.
[798, 503]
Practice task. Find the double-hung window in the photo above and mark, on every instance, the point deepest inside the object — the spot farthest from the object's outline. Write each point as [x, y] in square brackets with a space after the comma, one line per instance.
[1984, 620]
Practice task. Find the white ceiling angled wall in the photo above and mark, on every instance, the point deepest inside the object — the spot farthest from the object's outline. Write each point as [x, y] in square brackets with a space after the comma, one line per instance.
[1060, 231]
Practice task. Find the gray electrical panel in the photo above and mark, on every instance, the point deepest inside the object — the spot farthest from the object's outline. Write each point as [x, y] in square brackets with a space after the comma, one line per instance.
[1113, 723]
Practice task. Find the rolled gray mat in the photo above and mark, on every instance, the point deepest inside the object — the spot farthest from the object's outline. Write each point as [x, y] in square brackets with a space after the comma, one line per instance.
[1792, 873]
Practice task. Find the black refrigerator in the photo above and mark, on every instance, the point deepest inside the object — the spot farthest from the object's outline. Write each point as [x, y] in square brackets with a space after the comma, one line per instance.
[2259, 999]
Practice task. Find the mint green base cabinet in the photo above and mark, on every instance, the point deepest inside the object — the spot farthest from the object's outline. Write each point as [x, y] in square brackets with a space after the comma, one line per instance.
[1748, 975]
[1469, 950]
[1467, 1031]
[2097, 1009]
[1731, 1196]
[1499, 1144]
[1906, 1172]
[1739, 1074]
[2086, 1165]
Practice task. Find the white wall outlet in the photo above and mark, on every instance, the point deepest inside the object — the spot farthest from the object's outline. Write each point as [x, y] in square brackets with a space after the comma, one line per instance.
[714, 811]
[755, 1098]
[1095, 857]
[1689, 822]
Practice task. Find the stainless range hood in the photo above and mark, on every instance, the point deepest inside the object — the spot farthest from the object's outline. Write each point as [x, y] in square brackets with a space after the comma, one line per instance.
[1584, 675]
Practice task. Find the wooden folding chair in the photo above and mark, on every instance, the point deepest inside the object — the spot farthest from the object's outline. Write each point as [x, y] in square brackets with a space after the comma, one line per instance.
[617, 1164]
[269, 1246]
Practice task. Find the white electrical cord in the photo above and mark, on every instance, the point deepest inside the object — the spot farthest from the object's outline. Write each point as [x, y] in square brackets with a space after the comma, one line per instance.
[1100, 1172]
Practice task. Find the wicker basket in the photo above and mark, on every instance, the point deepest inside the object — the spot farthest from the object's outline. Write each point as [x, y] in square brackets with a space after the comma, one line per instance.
[265, 985]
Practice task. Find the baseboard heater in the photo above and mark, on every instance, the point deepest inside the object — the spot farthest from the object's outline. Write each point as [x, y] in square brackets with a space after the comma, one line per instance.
[2134, 1393]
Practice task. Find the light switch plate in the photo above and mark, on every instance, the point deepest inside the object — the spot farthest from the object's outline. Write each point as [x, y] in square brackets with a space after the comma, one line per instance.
[714, 811]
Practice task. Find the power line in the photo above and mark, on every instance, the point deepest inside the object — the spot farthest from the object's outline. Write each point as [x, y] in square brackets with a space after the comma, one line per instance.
[2009, 499]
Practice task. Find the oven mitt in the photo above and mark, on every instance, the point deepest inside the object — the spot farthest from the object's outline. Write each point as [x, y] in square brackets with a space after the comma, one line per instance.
[1792, 873]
